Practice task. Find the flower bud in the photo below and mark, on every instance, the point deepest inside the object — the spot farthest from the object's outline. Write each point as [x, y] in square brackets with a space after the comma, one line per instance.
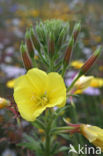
[76, 31]
[82, 83]
[68, 51]
[34, 39]
[26, 59]
[87, 65]
[93, 134]
[61, 37]
[29, 44]
[4, 103]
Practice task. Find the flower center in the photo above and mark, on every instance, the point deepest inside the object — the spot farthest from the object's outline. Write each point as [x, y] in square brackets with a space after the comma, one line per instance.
[40, 100]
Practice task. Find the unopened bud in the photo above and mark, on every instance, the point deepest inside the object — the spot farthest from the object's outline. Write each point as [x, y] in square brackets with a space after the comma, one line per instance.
[34, 39]
[51, 45]
[29, 44]
[68, 51]
[87, 65]
[26, 59]
[76, 31]
[61, 37]
[4, 103]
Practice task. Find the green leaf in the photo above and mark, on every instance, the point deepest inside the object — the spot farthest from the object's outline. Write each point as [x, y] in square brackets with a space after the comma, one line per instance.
[38, 124]
[27, 145]
[60, 110]
[63, 148]
[31, 147]
[55, 148]
[65, 136]
[32, 142]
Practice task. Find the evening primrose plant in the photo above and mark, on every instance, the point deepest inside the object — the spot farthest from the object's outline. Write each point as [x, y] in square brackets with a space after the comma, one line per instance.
[41, 93]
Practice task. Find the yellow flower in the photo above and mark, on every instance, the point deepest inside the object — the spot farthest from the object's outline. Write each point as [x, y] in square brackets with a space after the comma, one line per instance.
[4, 103]
[36, 57]
[101, 68]
[10, 84]
[93, 134]
[82, 83]
[96, 82]
[41, 130]
[34, 13]
[77, 64]
[36, 91]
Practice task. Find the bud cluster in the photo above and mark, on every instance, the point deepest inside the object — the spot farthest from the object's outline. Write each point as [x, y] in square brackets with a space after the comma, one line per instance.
[50, 46]
[46, 41]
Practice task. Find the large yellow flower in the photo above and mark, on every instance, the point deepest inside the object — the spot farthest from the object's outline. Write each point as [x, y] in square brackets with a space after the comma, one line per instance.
[36, 91]
[93, 134]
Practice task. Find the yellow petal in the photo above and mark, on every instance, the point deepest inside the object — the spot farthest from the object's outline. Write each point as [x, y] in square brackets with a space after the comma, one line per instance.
[23, 93]
[38, 78]
[97, 82]
[56, 90]
[89, 133]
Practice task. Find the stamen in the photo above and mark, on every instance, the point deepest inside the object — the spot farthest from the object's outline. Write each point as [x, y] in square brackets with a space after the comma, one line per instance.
[40, 100]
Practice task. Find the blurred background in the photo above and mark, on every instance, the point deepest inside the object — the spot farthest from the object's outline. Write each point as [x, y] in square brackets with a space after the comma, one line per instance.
[15, 17]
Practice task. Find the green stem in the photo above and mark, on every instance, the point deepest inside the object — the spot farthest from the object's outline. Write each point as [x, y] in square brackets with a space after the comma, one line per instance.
[74, 81]
[47, 143]
[42, 58]
[64, 69]
[74, 112]
[34, 62]
[48, 133]
[77, 139]
[51, 66]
